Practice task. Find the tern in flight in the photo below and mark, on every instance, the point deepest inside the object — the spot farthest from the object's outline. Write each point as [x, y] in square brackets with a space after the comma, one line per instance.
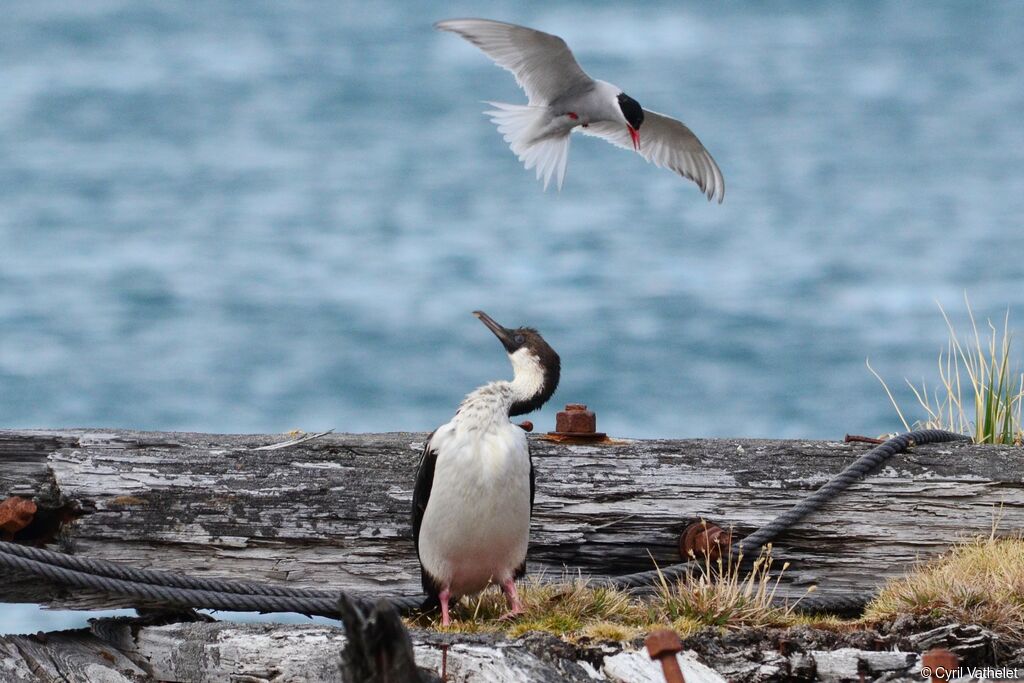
[563, 98]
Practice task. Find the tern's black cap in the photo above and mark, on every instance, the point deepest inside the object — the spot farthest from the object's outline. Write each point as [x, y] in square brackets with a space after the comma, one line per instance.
[632, 110]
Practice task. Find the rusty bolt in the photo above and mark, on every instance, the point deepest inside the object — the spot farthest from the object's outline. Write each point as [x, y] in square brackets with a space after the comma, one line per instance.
[526, 426]
[576, 419]
[857, 438]
[663, 645]
[941, 664]
[702, 539]
[576, 424]
[15, 514]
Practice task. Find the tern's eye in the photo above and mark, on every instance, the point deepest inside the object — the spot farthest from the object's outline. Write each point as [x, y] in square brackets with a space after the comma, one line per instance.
[519, 339]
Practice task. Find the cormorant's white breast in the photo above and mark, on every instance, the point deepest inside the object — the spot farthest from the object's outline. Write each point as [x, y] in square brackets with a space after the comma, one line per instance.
[475, 486]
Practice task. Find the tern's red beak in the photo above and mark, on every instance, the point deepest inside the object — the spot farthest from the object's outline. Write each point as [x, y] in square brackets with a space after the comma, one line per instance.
[635, 134]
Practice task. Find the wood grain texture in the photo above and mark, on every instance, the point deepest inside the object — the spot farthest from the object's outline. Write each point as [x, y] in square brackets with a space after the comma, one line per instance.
[123, 650]
[68, 656]
[335, 512]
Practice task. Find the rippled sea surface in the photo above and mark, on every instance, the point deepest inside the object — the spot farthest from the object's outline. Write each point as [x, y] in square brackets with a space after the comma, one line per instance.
[253, 217]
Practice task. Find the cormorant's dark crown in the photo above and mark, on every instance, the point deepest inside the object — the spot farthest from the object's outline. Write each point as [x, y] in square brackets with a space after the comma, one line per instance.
[529, 338]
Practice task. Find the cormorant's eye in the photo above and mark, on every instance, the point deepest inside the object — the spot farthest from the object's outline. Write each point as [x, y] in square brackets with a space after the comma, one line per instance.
[519, 339]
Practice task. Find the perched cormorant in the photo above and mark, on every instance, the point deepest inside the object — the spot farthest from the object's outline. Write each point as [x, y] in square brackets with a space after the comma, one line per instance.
[474, 490]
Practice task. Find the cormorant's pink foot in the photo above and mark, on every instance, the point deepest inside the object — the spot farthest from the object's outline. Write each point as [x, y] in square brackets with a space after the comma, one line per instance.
[508, 587]
[446, 620]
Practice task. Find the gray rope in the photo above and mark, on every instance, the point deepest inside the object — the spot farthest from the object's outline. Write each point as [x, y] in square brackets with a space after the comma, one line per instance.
[123, 572]
[832, 604]
[175, 588]
[179, 590]
[172, 595]
[861, 467]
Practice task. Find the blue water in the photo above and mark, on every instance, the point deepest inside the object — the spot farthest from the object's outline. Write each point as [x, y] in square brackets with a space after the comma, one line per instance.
[262, 216]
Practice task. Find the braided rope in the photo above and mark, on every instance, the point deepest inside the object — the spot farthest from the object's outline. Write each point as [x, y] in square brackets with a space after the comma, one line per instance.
[248, 596]
[173, 595]
[861, 467]
[156, 577]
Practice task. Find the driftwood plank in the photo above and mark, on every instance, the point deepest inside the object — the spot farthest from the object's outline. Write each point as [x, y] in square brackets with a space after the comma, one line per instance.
[276, 653]
[201, 652]
[69, 656]
[132, 650]
[334, 512]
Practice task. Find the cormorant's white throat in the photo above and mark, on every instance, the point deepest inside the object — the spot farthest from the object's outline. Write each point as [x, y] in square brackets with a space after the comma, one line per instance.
[475, 485]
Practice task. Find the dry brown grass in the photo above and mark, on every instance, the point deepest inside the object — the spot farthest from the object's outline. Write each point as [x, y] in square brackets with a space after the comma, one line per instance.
[720, 594]
[978, 582]
[569, 608]
[716, 594]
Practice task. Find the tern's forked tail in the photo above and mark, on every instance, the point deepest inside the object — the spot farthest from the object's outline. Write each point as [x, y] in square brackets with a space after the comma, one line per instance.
[534, 137]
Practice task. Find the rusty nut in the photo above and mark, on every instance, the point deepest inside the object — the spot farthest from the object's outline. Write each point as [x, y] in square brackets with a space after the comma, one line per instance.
[576, 419]
[16, 513]
[702, 539]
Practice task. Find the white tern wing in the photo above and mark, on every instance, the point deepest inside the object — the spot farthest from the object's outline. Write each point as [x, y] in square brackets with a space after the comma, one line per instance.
[667, 143]
[542, 63]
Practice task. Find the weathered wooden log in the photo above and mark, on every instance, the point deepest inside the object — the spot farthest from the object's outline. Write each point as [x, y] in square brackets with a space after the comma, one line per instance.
[334, 512]
[122, 650]
[130, 650]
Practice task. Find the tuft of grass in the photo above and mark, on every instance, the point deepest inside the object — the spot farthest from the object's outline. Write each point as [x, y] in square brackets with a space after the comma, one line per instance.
[717, 594]
[720, 594]
[977, 582]
[979, 393]
[570, 607]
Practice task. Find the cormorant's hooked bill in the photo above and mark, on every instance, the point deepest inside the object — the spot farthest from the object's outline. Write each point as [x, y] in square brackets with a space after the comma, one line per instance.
[508, 338]
[543, 360]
